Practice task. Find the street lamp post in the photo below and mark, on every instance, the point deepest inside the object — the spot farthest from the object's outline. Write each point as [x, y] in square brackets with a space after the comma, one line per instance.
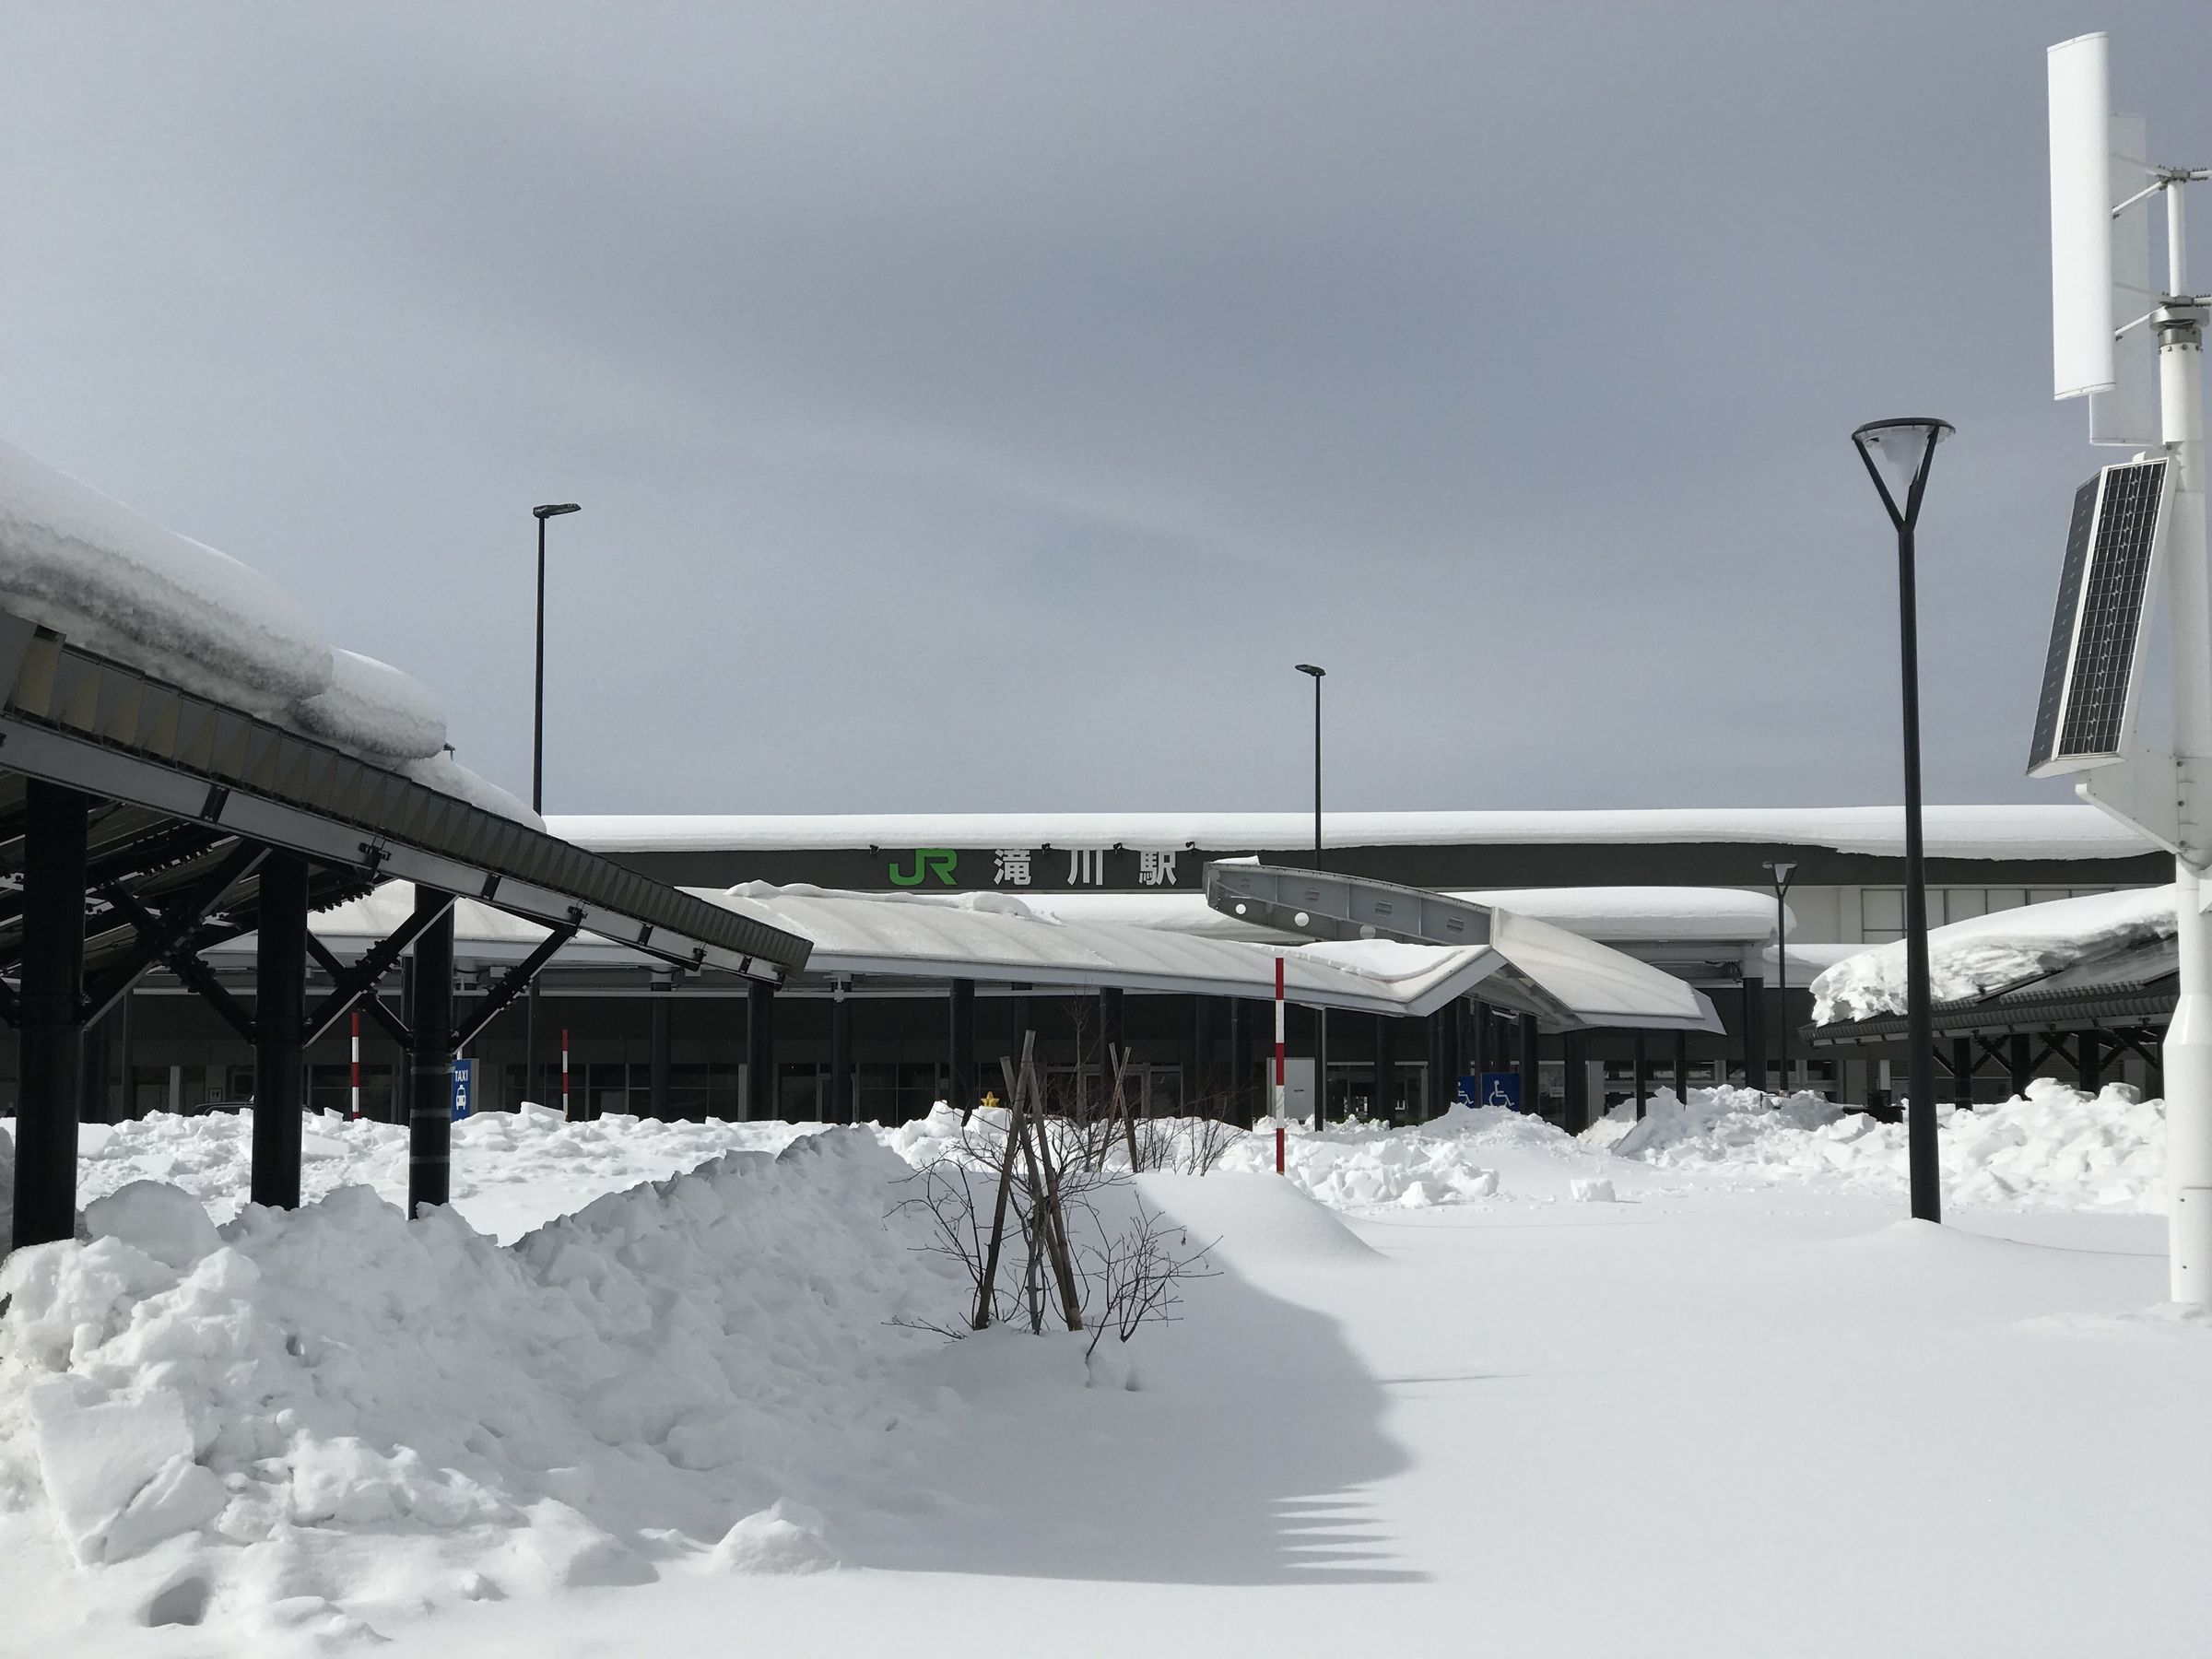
[1899, 453]
[1321, 1015]
[538, 762]
[1781, 870]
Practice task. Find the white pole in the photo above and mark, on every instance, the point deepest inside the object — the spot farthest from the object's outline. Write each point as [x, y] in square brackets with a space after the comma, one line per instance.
[356, 1063]
[2188, 1047]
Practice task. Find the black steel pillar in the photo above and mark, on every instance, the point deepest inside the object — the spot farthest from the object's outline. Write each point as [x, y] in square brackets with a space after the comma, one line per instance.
[1682, 1068]
[1380, 1092]
[1755, 1031]
[51, 1026]
[1443, 1058]
[1239, 1051]
[1962, 1071]
[840, 1107]
[430, 1058]
[1321, 1066]
[1640, 1068]
[1575, 1117]
[1478, 1039]
[760, 1049]
[658, 1066]
[2091, 1047]
[279, 1029]
[1532, 1076]
[2015, 1053]
[960, 1091]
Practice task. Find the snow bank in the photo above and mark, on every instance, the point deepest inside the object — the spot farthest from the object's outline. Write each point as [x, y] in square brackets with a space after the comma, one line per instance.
[1987, 953]
[115, 582]
[511, 1172]
[373, 709]
[1450, 1159]
[329, 1417]
[2057, 1148]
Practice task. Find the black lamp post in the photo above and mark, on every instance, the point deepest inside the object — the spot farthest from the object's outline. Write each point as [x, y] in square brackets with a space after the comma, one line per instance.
[538, 762]
[1318, 673]
[1898, 454]
[1781, 872]
[537, 714]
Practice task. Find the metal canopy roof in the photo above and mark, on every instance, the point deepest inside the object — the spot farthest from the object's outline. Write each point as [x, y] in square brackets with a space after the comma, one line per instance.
[2126, 989]
[1568, 982]
[191, 778]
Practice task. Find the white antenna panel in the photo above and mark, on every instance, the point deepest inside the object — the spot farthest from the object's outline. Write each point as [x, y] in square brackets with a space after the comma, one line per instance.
[2128, 415]
[2081, 218]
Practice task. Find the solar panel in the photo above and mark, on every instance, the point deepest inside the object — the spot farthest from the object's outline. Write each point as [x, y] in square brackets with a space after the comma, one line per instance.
[2097, 631]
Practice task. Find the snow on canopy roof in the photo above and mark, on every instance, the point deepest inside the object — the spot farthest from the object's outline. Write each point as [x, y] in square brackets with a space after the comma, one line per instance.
[2068, 831]
[1986, 954]
[1639, 914]
[114, 582]
[995, 937]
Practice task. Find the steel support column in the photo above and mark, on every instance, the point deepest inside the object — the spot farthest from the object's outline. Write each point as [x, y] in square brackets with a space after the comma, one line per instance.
[961, 1092]
[841, 1109]
[1574, 1116]
[2021, 1068]
[1962, 1071]
[431, 1059]
[1239, 1081]
[2089, 1045]
[1640, 1068]
[759, 1051]
[1443, 1058]
[662, 1001]
[279, 1029]
[1532, 1076]
[51, 1011]
[1755, 1031]
[1682, 1068]
[1383, 1072]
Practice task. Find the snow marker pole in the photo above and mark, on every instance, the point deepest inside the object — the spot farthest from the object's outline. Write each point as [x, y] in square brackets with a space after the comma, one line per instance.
[356, 1079]
[1279, 1016]
[564, 1075]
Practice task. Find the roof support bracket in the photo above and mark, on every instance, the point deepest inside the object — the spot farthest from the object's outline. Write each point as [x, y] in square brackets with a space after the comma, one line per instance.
[350, 985]
[184, 962]
[513, 984]
[162, 938]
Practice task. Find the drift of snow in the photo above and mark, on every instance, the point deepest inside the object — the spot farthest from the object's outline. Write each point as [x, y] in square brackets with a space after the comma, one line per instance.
[1987, 953]
[373, 709]
[2056, 1148]
[330, 1415]
[115, 582]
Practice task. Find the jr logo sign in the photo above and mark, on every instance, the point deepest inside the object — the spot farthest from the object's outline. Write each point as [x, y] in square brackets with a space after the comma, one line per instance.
[939, 861]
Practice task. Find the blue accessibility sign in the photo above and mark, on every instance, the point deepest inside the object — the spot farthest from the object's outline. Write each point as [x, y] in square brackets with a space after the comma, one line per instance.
[1501, 1088]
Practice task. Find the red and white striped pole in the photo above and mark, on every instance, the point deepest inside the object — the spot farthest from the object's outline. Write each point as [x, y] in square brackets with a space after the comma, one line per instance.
[564, 1071]
[356, 1079]
[1279, 1077]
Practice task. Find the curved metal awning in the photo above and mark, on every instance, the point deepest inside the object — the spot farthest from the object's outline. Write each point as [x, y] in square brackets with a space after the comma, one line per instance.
[1568, 982]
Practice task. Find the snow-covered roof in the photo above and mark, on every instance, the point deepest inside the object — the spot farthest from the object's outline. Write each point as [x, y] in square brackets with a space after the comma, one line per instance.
[1986, 954]
[2044, 831]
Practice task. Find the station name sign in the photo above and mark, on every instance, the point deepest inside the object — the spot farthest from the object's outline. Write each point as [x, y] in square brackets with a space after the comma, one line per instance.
[932, 870]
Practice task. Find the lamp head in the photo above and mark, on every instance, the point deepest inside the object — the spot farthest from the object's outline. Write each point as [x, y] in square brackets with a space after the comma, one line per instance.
[1781, 872]
[1310, 668]
[1896, 454]
[543, 514]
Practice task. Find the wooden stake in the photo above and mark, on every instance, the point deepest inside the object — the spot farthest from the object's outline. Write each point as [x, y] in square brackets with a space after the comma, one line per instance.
[982, 1318]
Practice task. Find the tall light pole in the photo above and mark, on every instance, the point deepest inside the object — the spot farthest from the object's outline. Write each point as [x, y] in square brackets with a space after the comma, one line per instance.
[1898, 453]
[538, 762]
[1781, 870]
[537, 714]
[1321, 1015]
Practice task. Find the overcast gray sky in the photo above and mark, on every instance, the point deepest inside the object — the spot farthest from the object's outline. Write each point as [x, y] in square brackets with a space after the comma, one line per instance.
[985, 406]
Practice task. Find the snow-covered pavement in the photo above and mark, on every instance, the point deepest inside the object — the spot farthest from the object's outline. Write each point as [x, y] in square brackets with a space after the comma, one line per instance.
[1741, 1408]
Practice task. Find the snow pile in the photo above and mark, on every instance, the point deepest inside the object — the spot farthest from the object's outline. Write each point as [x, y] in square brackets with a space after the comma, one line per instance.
[373, 709]
[116, 583]
[1450, 1159]
[1988, 953]
[328, 1417]
[512, 1171]
[2056, 1148]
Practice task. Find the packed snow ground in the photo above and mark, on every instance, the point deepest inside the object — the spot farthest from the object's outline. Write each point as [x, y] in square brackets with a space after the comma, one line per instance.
[1695, 1392]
